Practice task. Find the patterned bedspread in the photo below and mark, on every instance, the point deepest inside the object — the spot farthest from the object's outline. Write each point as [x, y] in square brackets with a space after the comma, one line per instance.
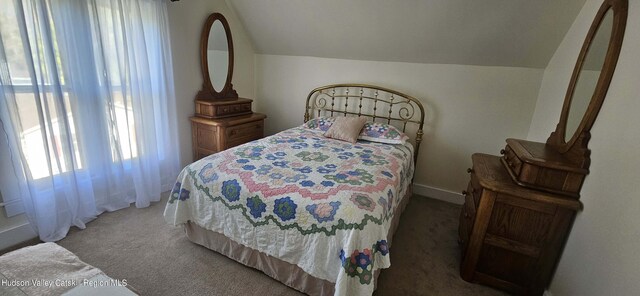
[322, 204]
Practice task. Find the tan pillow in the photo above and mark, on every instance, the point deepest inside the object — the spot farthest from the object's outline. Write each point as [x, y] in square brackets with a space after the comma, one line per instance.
[346, 128]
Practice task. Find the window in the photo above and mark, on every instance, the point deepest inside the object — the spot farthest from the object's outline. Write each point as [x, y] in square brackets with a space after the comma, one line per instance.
[45, 119]
[85, 90]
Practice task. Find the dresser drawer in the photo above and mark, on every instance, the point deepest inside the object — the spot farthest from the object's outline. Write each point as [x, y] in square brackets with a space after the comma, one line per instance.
[233, 110]
[214, 135]
[243, 133]
[512, 161]
[222, 109]
[539, 166]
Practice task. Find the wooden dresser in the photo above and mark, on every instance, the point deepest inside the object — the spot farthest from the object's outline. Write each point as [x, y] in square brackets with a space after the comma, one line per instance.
[511, 236]
[220, 125]
[214, 135]
[222, 119]
[519, 208]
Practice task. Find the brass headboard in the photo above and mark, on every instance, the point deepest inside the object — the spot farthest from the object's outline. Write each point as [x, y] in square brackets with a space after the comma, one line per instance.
[381, 104]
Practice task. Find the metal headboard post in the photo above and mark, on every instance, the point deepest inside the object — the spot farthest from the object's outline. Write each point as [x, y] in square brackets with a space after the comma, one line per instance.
[405, 112]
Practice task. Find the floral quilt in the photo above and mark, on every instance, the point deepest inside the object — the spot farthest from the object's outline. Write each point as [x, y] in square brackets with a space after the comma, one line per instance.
[322, 204]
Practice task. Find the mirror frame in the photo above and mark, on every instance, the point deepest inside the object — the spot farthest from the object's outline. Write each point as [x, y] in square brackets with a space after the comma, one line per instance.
[208, 92]
[579, 140]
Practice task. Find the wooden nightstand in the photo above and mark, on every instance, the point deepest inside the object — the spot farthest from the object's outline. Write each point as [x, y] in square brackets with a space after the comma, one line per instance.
[214, 135]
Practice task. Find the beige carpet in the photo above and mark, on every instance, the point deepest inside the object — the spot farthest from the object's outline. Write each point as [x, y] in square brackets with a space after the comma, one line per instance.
[157, 259]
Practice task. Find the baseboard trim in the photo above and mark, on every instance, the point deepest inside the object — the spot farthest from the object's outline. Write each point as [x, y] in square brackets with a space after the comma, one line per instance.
[439, 194]
[16, 235]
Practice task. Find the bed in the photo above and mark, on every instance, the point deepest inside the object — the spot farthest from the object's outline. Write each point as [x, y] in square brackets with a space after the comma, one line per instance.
[315, 213]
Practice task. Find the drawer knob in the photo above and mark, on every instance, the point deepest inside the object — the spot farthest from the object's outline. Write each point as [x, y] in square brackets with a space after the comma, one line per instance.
[464, 192]
[469, 170]
[466, 215]
[233, 132]
[502, 151]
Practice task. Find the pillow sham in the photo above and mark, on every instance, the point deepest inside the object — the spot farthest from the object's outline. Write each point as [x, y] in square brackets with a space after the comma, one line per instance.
[320, 123]
[372, 131]
[346, 128]
[382, 133]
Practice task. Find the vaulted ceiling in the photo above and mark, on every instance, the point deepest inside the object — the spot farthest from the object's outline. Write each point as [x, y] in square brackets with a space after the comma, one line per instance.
[517, 33]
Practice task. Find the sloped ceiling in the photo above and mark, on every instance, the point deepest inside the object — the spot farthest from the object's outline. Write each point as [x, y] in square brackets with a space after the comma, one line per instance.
[518, 33]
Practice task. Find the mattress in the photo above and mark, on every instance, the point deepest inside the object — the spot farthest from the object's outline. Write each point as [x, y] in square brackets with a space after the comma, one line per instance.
[323, 205]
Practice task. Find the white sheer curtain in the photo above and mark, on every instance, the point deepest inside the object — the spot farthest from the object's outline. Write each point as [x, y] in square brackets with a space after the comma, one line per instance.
[87, 109]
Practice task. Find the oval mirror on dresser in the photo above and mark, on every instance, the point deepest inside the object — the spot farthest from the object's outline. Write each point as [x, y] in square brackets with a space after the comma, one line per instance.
[216, 54]
[588, 77]
[591, 78]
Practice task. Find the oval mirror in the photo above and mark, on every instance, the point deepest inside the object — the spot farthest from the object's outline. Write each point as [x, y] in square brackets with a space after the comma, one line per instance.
[218, 56]
[588, 77]
[591, 78]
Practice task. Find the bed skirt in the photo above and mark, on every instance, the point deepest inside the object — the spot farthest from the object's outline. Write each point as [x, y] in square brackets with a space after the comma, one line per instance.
[285, 272]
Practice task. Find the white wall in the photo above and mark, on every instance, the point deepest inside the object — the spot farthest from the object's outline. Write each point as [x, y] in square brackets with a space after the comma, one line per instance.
[601, 255]
[470, 108]
[186, 19]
